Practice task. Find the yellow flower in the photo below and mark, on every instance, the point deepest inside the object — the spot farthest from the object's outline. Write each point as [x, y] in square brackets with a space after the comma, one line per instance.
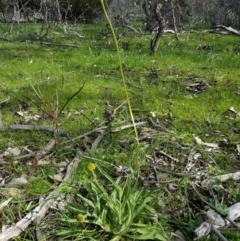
[81, 218]
[91, 167]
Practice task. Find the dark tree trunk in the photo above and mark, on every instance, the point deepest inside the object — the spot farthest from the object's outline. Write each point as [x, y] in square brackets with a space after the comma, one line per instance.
[160, 30]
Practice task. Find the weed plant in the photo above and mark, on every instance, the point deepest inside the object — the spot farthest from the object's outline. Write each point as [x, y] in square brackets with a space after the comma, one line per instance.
[113, 210]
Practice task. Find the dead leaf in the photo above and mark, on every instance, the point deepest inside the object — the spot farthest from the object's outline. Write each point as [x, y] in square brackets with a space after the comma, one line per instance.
[34, 166]
[17, 182]
[12, 192]
[179, 236]
[238, 148]
[172, 187]
[39, 235]
[21, 113]
[14, 151]
[5, 203]
[57, 177]
[200, 142]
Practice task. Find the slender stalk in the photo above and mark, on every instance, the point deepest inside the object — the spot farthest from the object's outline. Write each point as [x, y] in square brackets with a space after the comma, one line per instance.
[124, 84]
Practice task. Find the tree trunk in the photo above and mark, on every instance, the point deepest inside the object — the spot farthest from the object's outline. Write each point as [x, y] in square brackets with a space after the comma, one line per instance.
[161, 26]
[174, 20]
[59, 11]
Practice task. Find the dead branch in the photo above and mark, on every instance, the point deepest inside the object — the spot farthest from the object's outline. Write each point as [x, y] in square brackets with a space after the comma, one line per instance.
[158, 167]
[17, 127]
[214, 230]
[4, 39]
[101, 129]
[168, 156]
[46, 149]
[79, 35]
[159, 126]
[228, 29]
[60, 45]
[117, 129]
[132, 28]
[223, 178]
[39, 212]
[216, 221]
[109, 121]
[216, 218]
[3, 102]
[54, 44]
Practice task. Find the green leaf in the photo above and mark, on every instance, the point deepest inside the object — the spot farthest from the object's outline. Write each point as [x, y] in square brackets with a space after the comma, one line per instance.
[142, 206]
[89, 202]
[115, 184]
[148, 232]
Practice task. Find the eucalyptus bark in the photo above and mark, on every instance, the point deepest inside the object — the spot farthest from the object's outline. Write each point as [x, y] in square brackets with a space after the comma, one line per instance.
[174, 20]
[160, 30]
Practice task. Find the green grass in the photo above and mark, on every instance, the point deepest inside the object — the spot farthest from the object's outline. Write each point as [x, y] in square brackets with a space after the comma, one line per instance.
[157, 83]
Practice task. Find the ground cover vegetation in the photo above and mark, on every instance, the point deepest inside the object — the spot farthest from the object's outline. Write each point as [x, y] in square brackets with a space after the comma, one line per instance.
[68, 91]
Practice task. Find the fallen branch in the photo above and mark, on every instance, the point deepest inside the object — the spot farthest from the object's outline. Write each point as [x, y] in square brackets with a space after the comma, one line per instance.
[3, 102]
[4, 39]
[228, 29]
[174, 173]
[101, 129]
[33, 128]
[216, 221]
[117, 129]
[54, 44]
[39, 212]
[168, 156]
[132, 28]
[216, 218]
[79, 35]
[36, 155]
[159, 126]
[60, 45]
[40, 154]
[46, 149]
[223, 178]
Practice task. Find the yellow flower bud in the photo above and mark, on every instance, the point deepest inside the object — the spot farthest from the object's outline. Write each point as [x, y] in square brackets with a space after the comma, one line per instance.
[81, 218]
[91, 167]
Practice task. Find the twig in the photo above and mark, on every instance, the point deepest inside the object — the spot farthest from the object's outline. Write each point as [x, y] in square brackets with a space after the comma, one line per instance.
[159, 126]
[46, 149]
[24, 156]
[168, 171]
[2, 102]
[16, 127]
[78, 35]
[154, 167]
[109, 121]
[5, 39]
[100, 129]
[115, 110]
[218, 233]
[54, 44]
[168, 156]
[97, 141]
[117, 129]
